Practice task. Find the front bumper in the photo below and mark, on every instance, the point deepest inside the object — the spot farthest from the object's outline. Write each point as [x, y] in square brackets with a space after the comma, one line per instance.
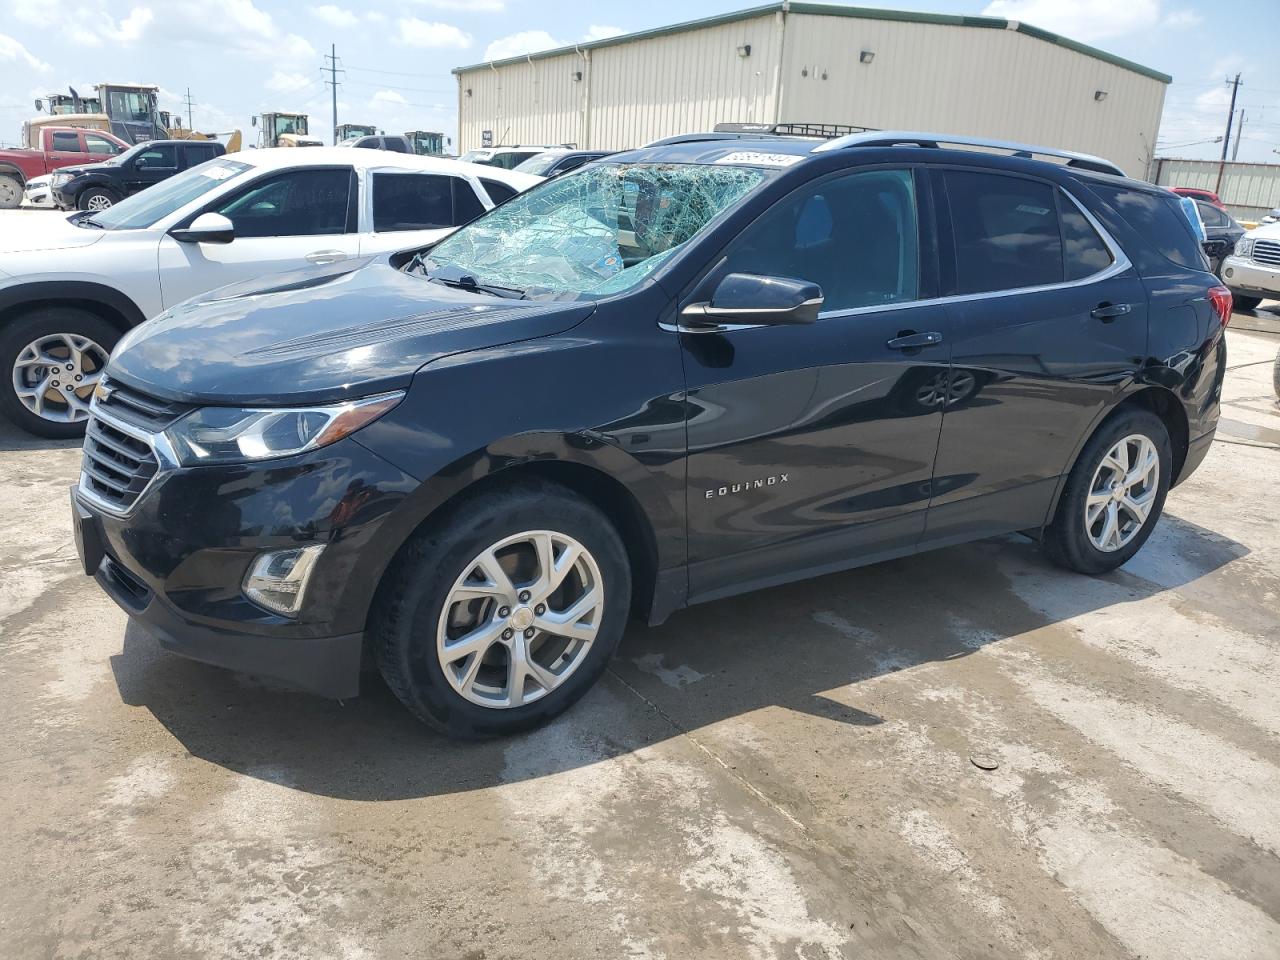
[1251, 278]
[176, 561]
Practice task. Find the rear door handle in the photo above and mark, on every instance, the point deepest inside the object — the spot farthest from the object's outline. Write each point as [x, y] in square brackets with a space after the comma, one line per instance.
[914, 341]
[1109, 311]
[326, 256]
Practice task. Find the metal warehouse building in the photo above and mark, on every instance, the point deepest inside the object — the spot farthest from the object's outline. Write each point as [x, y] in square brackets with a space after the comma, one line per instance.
[813, 63]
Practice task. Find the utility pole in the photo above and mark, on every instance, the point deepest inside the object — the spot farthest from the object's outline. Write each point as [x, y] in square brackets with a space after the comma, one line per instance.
[332, 60]
[1226, 141]
[1235, 151]
[190, 125]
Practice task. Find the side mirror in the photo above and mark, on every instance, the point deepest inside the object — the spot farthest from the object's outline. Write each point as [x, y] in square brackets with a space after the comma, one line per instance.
[750, 298]
[206, 228]
[39, 106]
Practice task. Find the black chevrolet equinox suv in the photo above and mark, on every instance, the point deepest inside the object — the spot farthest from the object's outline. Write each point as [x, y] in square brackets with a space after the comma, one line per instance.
[703, 367]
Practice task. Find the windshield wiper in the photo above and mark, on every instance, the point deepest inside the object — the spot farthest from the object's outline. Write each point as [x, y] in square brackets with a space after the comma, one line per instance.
[461, 280]
[89, 222]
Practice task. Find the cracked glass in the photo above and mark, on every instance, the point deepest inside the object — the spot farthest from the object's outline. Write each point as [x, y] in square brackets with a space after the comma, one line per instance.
[598, 231]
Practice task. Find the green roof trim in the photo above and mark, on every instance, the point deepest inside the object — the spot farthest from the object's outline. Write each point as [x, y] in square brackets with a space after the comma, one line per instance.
[833, 10]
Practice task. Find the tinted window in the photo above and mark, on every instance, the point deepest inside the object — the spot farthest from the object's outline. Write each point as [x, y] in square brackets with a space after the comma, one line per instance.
[1157, 217]
[1084, 251]
[396, 145]
[466, 205]
[100, 146]
[1006, 232]
[509, 161]
[854, 236]
[66, 142]
[300, 203]
[573, 163]
[200, 153]
[411, 201]
[498, 192]
[1211, 216]
[372, 143]
[158, 158]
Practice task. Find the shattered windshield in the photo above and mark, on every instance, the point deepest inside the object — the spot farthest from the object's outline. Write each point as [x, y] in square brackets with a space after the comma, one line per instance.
[598, 231]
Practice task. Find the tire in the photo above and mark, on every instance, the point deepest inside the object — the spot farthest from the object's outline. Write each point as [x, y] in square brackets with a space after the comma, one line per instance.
[416, 612]
[61, 419]
[1068, 540]
[96, 198]
[10, 192]
[1245, 303]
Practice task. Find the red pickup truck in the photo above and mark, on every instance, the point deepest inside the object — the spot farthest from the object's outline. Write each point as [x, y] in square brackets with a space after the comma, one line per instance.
[59, 147]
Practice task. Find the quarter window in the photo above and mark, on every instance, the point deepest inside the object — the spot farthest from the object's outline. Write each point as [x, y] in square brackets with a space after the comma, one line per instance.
[300, 203]
[1006, 231]
[498, 192]
[854, 236]
[1083, 250]
[1159, 219]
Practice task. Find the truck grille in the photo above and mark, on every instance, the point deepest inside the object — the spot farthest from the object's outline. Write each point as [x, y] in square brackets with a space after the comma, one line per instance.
[117, 466]
[1267, 252]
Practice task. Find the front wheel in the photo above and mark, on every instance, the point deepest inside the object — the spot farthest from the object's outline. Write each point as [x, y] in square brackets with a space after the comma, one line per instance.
[1114, 495]
[10, 192]
[502, 616]
[95, 199]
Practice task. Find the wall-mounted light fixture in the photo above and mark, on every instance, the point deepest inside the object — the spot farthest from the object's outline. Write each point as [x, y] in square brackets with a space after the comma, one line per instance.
[1099, 95]
[866, 56]
[577, 76]
[744, 50]
[468, 91]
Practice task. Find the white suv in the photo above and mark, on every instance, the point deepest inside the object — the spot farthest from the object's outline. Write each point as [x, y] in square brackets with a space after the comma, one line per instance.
[71, 287]
[1252, 272]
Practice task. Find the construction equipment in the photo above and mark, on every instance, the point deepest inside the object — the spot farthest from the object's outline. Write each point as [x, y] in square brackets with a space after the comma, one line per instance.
[63, 104]
[427, 143]
[345, 131]
[131, 113]
[278, 129]
[132, 110]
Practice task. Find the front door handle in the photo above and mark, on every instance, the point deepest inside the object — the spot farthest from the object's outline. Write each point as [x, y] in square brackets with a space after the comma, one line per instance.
[1106, 312]
[910, 340]
[326, 256]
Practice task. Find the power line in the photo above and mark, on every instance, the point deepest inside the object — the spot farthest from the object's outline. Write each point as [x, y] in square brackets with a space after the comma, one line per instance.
[392, 86]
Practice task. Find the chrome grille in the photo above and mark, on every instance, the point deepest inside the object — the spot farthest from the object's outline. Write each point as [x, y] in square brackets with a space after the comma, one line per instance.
[117, 465]
[1267, 252]
[135, 407]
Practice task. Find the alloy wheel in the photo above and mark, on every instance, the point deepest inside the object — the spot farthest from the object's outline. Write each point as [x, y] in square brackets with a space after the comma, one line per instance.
[520, 619]
[97, 202]
[54, 376]
[1122, 493]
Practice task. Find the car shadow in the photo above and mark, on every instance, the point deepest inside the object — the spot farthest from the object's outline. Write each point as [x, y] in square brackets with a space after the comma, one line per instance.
[12, 438]
[791, 647]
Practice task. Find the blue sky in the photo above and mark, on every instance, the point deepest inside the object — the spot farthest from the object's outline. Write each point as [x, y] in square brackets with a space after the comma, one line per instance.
[240, 57]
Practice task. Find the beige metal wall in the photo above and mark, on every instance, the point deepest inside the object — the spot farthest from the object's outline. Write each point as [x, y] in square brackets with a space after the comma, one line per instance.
[805, 68]
[966, 80]
[1249, 190]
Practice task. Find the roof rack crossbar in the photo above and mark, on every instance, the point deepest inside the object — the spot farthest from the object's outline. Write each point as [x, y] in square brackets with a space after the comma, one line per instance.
[893, 138]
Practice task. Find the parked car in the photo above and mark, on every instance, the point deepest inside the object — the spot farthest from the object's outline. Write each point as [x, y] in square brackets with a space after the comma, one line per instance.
[1272, 217]
[1252, 271]
[675, 375]
[391, 141]
[98, 186]
[38, 192]
[69, 288]
[506, 157]
[59, 147]
[552, 163]
[1221, 233]
[1196, 194]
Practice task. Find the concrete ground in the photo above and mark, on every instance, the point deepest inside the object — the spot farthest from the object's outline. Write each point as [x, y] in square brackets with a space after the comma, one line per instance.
[799, 773]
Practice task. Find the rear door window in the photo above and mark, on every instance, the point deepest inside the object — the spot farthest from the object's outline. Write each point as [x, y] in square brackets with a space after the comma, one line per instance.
[420, 201]
[1007, 233]
[1159, 219]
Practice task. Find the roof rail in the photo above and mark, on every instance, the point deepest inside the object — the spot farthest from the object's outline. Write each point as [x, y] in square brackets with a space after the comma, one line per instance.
[893, 138]
[765, 131]
[717, 135]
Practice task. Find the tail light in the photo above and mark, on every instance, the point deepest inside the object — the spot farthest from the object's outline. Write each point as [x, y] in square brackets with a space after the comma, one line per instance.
[1220, 297]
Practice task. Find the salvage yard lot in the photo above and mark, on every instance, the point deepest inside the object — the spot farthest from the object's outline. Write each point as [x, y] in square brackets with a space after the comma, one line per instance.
[787, 774]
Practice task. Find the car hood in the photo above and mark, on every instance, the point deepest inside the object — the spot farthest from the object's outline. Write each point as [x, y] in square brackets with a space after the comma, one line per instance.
[322, 334]
[45, 231]
[1267, 231]
[82, 168]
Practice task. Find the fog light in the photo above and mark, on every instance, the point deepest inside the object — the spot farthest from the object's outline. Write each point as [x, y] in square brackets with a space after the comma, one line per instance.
[278, 580]
[1228, 272]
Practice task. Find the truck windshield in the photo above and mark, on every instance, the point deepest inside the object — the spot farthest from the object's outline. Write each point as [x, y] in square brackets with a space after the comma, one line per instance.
[154, 204]
[595, 232]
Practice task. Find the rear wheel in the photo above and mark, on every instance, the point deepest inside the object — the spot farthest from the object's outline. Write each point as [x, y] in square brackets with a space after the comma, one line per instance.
[1245, 303]
[96, 199]
[501, 617]
[10, 192]
[53, 358]
[1114, 495]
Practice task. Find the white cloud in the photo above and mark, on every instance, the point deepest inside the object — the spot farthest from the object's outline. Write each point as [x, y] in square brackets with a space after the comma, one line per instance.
[599, 32]
[11, 49]
[236, 26]
[518, 44]
[388, 96]
[132, 26]
[1179, 19]
[467, 6]
[1085, 20]
[421, 33]
[335, 16]
[282, 81]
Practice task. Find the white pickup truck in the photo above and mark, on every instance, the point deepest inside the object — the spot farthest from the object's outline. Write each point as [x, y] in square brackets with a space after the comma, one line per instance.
[1253, 269]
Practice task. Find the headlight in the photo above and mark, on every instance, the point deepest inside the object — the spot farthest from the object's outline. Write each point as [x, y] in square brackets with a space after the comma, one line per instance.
[60, 178]
[1244, 247]
[238, 434]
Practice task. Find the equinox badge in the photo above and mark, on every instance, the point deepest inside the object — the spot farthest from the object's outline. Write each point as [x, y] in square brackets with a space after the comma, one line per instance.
[747, 485]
